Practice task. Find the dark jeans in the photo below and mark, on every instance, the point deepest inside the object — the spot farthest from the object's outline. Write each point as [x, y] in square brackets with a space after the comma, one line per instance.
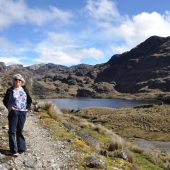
[16, 120]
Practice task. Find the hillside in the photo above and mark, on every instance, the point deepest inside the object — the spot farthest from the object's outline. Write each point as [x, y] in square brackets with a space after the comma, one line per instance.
[71, 140]
[143, 71]
[145, 67]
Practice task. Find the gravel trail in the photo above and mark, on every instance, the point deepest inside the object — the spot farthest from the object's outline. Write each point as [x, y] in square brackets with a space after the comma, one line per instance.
[43, 152]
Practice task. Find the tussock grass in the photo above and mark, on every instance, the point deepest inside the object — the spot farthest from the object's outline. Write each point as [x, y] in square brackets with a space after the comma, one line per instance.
[102, 133]
[97, 128]
[52, 117]
[145, 162]
[159, 158]
[118, 141]
[136, 149]
[52, 110]
[149, 123]
[141, 122]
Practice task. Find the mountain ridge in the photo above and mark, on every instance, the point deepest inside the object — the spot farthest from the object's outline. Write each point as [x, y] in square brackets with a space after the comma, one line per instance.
[143, 69]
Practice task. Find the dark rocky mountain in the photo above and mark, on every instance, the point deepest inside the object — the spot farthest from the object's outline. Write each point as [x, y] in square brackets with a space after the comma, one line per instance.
[144, 68]
[142, 71]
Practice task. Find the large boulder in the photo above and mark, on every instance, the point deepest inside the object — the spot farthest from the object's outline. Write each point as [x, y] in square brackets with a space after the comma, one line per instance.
[85, 92]
[95, 162]
[104, 87]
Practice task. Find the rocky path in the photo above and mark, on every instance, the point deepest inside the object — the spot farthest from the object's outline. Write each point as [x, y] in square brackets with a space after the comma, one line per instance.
[43, 152]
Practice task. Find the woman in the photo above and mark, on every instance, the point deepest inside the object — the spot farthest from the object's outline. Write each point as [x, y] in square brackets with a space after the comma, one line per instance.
[18, 101]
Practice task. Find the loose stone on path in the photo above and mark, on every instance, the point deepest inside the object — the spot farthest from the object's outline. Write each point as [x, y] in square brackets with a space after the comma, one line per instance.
[43, 152]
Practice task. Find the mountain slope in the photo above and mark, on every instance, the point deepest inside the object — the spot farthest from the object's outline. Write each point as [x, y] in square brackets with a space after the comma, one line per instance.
[144, 69]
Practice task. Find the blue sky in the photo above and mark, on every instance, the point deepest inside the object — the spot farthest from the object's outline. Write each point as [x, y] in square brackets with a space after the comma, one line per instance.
[78, 31]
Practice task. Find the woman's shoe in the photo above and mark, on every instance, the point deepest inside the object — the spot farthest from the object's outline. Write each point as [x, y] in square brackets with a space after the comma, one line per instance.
[14, 154]
[20, 152]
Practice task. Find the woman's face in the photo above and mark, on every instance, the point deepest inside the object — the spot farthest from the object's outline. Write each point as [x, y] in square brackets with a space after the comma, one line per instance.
[17, 83]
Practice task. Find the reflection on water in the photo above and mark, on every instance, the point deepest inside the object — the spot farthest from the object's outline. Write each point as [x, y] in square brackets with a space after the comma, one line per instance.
[78, 103]
[153, 145]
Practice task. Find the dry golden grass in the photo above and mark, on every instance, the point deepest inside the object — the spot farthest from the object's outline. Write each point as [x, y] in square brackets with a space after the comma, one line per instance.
[105, 135]
[98, 134]
[162, 159]
[52, 117]
[149, 123]
[52, 110]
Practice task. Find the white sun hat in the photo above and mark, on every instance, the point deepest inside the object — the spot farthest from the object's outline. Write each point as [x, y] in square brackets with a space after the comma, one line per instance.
[20, 77]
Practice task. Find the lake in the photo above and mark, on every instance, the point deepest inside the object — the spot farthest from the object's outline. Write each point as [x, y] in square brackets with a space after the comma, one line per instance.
[147, 145]
[78, 103]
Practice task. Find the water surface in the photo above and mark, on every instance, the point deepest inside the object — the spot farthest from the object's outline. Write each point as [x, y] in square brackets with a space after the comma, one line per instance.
[78, 103]
[147, 145]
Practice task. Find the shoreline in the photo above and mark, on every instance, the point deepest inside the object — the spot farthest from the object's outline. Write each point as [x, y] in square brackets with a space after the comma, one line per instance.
[158, 98]
[150, 123]
[149, 145]
[80, 103]
[53, 119]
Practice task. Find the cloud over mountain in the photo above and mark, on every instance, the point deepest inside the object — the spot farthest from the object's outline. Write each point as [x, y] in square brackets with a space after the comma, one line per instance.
[90, 32]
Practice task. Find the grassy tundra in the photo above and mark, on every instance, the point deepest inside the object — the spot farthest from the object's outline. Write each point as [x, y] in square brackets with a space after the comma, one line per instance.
[90, 133]
[151, 123]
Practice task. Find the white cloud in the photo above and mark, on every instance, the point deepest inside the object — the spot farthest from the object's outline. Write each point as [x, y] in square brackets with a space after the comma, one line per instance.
[90, 53]
[63, 49]
[57, 57]
[105, 10]
[101, 31]
[4, 43]
[123, 32]
[6, 47]
[11, 53]
[142, 26]
[40, 17]
[135, 30]
[12, 11]
[118, 49]
[10, 60]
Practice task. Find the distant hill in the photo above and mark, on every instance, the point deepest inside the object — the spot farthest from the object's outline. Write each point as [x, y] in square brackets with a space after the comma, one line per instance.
[143, 70]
